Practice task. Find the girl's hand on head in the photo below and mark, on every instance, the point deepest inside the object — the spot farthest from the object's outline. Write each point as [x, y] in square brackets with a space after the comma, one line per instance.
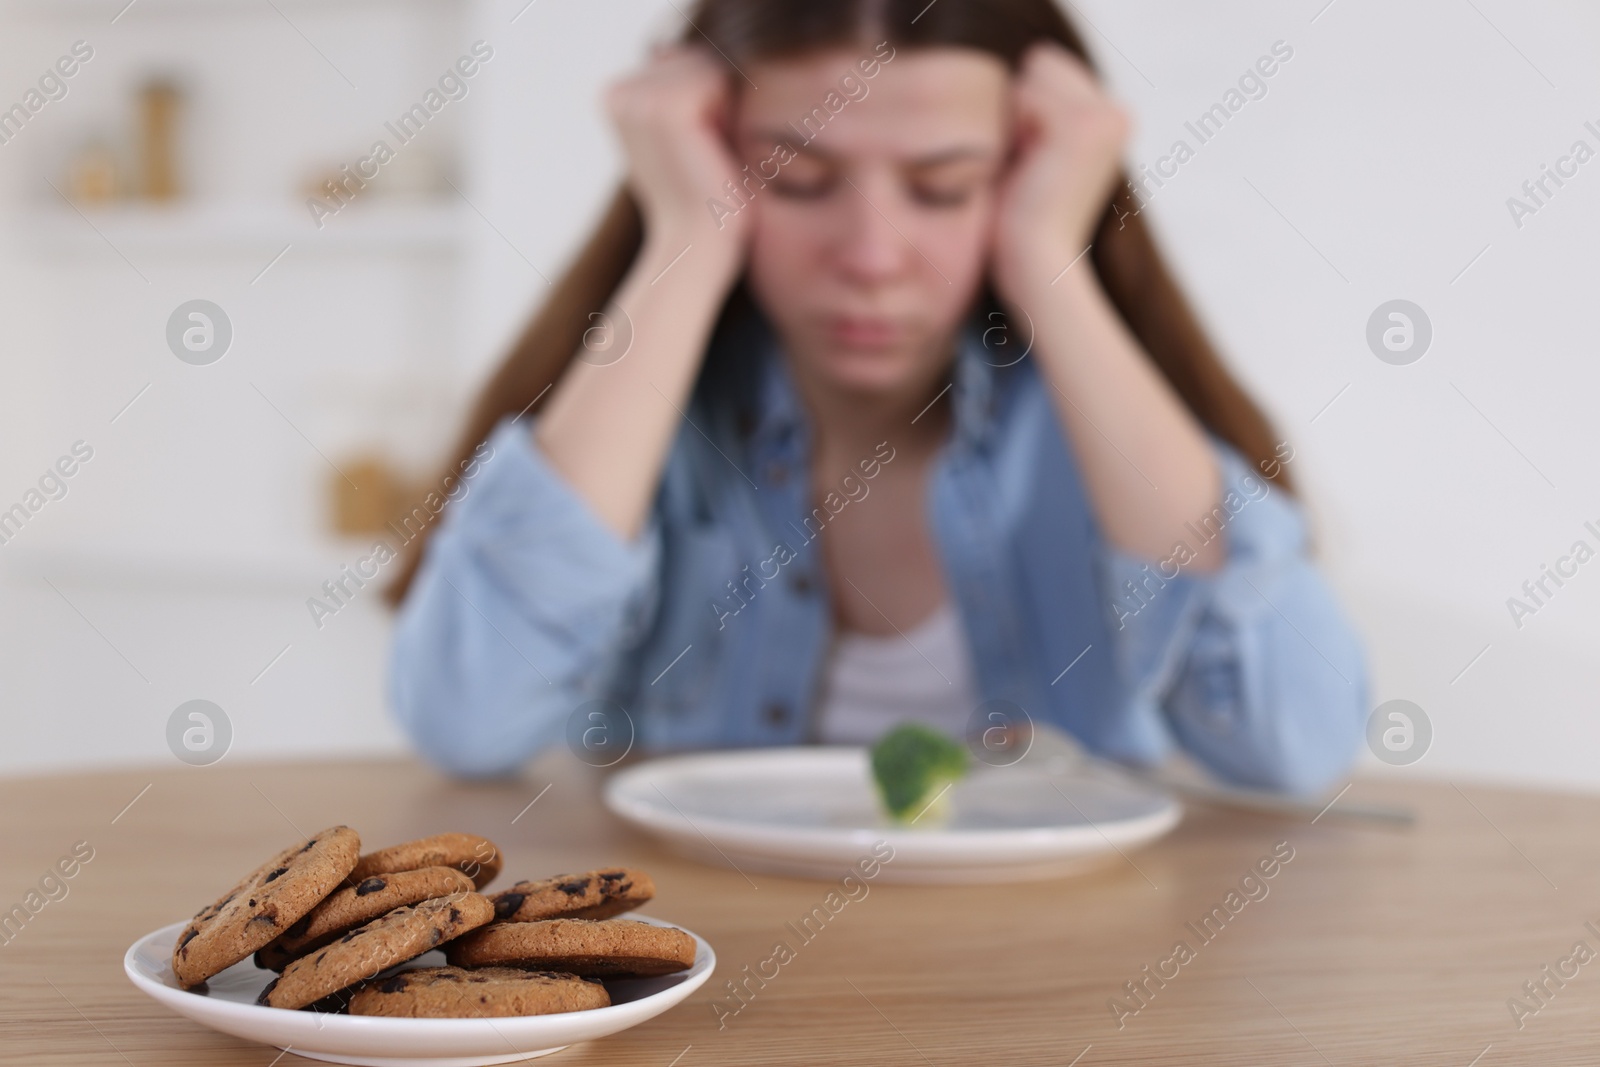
[1068, 145]
[672, 115]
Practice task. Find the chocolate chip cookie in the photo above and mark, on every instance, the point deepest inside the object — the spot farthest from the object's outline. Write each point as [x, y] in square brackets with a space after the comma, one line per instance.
[263, 905]
[403, 934]
[596, 895]
[476, 856]
[446, 992]
[607, 948]
[355, 905]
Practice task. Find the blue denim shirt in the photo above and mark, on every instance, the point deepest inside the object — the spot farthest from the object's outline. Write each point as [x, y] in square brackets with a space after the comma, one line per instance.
[711, 628]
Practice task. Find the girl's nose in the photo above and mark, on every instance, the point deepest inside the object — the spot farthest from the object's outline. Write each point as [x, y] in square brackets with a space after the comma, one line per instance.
[872, 245]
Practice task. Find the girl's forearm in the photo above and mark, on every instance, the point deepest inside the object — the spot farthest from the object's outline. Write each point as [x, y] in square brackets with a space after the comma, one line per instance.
[608, 426]
[1146, 462]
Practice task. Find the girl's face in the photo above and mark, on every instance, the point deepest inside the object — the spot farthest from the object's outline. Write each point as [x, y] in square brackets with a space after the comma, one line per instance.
[870, 241]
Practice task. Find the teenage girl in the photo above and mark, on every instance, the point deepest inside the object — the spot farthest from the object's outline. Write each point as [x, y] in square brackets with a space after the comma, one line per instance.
[870, 399]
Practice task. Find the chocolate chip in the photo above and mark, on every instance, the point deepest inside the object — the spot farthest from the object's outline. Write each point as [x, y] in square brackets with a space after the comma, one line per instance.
[612, 876]
[455, 915]
[396, 984]
[370, 885]
[572, 889]
[507, 904]
[188, 937]
[309, 844]
[267, 990]
[332, 1004]
[274, 874]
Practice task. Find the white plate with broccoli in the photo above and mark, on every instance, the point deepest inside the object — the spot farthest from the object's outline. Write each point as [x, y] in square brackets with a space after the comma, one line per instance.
[817, 812]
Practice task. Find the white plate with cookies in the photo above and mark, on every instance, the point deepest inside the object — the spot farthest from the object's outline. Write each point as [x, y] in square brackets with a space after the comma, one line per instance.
[229, 1005]
[811, 812]
[395, 958]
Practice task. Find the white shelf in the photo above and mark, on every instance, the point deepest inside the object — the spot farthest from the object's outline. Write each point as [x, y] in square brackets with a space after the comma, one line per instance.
[78, 9]
[294, 570]
[395, 225]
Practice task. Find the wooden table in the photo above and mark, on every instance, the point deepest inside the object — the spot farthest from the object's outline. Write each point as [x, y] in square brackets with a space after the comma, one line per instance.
[1371, 946]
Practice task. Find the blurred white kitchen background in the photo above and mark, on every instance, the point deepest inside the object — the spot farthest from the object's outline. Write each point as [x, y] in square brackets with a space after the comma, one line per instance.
[175, 162]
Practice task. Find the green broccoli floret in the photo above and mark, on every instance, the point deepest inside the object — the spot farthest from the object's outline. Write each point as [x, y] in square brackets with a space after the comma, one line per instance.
[913, 766]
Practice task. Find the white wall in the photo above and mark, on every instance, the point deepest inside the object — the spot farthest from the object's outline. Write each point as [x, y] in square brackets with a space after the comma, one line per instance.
[1376, 167]
[1391, 141]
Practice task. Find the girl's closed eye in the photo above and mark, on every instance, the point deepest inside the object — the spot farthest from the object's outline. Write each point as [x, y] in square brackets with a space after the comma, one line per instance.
[952, 183]
[804, 178]
[944, 197]
[802, 189]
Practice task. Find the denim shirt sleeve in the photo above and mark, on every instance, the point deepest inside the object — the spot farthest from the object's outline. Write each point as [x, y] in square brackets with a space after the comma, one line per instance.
[522, 603]
[1253, 668]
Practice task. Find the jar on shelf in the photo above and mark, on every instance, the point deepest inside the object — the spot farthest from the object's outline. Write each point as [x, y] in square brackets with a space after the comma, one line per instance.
[160, 103]
[93, 174]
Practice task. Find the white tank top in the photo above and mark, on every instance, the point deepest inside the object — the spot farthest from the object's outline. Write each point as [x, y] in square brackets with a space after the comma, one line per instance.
[875, 682]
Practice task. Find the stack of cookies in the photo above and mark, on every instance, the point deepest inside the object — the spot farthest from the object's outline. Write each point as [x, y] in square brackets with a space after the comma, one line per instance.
[331, 921]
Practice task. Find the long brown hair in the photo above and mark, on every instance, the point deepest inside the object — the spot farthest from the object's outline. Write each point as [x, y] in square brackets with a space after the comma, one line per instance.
[1124, 255]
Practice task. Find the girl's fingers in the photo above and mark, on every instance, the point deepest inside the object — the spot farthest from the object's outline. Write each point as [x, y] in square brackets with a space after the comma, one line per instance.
[1050, 69]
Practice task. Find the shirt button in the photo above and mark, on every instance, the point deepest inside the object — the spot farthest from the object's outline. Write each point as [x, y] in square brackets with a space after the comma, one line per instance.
[776, 714]
[801, 584]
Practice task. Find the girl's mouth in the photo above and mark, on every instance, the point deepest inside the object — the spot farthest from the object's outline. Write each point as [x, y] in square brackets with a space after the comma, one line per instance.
[863, 332]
